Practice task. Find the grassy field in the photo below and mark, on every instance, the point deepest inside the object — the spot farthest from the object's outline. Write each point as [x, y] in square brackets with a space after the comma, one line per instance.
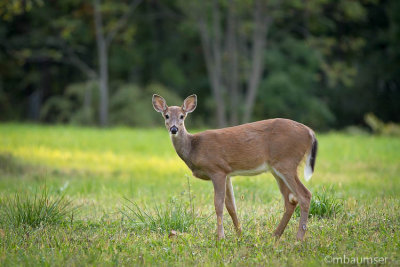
[111, 175]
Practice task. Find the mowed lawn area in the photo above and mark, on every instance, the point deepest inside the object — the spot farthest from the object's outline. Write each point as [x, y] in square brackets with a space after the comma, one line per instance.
[110, 175]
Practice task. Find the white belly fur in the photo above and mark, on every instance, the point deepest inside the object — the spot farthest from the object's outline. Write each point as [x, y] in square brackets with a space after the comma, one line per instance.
[260, 169]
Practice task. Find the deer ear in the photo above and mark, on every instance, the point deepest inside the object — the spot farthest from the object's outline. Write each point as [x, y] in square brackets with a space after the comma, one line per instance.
[159, 103]
[189, 104]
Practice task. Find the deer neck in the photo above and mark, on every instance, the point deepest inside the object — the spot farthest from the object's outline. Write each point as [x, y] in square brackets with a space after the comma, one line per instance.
[182, 144]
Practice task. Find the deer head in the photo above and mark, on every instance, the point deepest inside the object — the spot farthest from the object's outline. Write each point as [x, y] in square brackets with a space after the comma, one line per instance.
[174, 116]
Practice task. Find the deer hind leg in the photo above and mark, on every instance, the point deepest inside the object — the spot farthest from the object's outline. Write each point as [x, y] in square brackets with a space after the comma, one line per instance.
[290, 204]
[300, 193]
[231, 206]
[304, 202]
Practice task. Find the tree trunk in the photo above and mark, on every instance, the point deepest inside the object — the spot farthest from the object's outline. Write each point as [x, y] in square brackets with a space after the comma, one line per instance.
[87, 99]
[222, 62]
[233, 76]
[257, 58]
[35, 103]
[103, 70]
[102, 52]
[215, 83]
[212, 56]
[216, 47]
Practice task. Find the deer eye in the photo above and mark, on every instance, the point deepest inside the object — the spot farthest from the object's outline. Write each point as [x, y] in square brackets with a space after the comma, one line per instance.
[182, 117]
[167, 116]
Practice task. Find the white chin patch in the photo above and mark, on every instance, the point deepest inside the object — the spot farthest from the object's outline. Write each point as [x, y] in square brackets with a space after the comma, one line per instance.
[173, 135]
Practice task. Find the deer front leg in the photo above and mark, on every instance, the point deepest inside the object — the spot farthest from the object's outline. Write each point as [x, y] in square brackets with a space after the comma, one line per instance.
[231, 206]
[219, 199]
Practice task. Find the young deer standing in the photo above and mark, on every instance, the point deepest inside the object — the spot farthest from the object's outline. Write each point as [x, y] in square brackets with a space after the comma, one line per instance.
[276, 145]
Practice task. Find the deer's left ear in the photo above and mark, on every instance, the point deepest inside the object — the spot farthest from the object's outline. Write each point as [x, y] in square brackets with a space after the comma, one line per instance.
[189, 104]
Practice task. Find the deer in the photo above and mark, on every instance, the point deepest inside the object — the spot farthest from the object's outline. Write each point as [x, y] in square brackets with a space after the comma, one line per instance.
[277, 145]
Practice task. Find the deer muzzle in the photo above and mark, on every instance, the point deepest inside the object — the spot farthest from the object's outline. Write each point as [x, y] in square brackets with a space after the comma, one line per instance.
[173, 129]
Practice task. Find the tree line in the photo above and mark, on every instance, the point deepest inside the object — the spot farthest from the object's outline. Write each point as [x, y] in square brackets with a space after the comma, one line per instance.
[325, 63]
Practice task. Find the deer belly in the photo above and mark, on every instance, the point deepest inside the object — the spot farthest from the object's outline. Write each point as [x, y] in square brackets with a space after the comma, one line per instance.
[259, 169]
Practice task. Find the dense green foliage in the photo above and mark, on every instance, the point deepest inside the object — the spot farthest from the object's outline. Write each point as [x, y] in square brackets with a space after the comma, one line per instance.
[100, 169]
[327, 63]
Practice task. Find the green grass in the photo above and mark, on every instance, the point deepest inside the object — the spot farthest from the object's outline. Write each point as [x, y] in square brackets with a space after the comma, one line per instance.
[34, 211]
[175, 215]
[117, 176]
[324, 204]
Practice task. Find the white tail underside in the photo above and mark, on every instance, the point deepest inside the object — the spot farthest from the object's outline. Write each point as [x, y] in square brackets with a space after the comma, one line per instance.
[307, 169]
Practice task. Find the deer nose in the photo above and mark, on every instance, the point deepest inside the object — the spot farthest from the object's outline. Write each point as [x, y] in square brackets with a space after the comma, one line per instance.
[174, 129]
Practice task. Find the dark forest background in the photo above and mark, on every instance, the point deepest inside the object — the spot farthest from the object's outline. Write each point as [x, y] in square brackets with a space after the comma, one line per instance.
[325, 63]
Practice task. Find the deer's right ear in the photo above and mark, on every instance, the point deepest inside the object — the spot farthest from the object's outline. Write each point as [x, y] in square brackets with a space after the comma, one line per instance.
[159, 103]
